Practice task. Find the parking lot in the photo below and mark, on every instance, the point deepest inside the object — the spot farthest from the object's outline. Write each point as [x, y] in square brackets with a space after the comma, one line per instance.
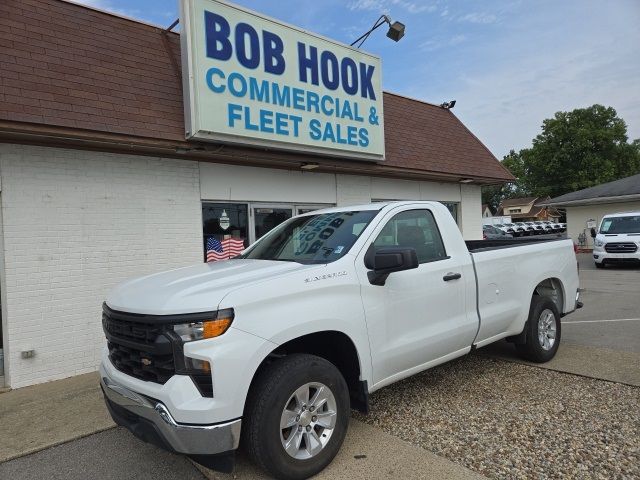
[487, 414]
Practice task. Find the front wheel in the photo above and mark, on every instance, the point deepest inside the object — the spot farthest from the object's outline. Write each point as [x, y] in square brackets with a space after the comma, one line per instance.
[297, 416]
[599, 265]
[543, 331]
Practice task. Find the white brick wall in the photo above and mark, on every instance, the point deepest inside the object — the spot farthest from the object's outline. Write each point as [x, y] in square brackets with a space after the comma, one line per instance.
[76, 223]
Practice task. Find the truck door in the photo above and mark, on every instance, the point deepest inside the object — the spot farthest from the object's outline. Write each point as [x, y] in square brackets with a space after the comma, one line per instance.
[420, 315]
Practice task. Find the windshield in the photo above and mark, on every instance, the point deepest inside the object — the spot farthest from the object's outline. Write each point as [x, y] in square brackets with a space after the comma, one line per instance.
[321, 238]
[629, 224]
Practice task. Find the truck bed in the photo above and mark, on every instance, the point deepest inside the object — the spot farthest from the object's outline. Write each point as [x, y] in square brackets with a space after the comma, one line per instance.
[507, 278]
[486, 245]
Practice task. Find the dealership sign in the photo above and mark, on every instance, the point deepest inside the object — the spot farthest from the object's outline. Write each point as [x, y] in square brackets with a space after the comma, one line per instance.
[251, 80]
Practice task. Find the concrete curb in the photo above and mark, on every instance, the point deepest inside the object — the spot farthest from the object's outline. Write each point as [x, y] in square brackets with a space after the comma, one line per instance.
[591, 362]
[24, 453]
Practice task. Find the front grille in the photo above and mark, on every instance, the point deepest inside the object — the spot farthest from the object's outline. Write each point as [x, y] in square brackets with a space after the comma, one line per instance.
[140, 364]
[141, 350]
[621, 247]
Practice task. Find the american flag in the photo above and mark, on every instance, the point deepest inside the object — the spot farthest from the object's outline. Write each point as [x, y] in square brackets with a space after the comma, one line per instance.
[223, 250]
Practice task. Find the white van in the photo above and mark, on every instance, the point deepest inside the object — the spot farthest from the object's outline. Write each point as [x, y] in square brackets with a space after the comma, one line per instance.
[617, 240]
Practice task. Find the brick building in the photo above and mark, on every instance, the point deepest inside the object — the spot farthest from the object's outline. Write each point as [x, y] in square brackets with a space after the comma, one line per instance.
[98, 183]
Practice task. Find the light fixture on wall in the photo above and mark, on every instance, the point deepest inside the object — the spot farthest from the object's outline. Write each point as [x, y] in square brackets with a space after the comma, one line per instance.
[466, 180]
[309, 166]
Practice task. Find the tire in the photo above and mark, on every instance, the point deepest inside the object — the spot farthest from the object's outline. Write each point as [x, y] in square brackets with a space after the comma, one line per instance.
[599, 265]
[275, 395]
[543, 322]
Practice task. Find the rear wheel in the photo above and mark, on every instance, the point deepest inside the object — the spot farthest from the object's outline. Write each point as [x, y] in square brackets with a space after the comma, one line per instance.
[297, 416]
[543, 331]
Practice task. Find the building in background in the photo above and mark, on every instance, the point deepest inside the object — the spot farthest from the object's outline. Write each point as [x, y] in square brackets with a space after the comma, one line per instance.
[486, 211]
[585, 208]
[99, 184]
[528, 209]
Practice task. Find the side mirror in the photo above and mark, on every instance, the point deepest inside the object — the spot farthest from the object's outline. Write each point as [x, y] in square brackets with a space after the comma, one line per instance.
[593, 233]
[384, 261]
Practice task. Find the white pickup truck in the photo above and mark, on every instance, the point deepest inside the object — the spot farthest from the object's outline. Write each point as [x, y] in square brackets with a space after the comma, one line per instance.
[276, 346]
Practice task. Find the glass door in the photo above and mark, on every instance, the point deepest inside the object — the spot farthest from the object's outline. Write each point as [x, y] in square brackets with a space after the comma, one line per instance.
[267, 217]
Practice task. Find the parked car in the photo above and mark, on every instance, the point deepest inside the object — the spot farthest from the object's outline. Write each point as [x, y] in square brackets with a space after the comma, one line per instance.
[558, 227]
[552, 226]
[526, 229]
[536, 229]
[547, 227]
[491, 232]
[329, 306]
[617, 240]
[515, 230]
[502, 227]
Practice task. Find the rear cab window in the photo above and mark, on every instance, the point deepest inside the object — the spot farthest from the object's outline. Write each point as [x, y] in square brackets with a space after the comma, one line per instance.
[416, 229]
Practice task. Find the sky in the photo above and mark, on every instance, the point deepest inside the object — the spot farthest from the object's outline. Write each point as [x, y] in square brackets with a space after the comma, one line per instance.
[509, 64]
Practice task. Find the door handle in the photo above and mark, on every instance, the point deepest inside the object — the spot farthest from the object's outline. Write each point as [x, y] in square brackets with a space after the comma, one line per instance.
[451, 276]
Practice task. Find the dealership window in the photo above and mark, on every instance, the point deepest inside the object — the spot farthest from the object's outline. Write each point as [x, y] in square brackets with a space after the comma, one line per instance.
[230, 227]
[453, 208]
[225, 229]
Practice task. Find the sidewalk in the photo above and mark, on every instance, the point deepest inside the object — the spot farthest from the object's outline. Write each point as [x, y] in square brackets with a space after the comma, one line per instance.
[600, 363]
[36, 418]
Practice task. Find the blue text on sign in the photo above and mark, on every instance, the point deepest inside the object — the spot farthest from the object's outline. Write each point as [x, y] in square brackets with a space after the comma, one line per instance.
[314, 66]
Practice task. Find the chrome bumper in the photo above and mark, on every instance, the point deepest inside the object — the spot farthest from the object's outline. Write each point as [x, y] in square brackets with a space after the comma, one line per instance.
[149, 419]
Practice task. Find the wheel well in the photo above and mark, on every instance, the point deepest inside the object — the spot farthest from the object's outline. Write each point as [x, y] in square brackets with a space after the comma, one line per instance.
[337, 348]
[552, 288]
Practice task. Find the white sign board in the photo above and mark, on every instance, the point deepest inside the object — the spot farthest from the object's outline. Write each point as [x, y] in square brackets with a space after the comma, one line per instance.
[252, 80]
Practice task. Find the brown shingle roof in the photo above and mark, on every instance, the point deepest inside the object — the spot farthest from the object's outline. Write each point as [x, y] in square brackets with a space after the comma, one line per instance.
[66, 65]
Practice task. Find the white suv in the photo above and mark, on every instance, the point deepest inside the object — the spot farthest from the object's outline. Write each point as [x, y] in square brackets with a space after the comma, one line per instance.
[617, 240]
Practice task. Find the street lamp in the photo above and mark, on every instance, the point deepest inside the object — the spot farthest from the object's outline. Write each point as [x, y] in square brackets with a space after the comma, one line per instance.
[395, 32]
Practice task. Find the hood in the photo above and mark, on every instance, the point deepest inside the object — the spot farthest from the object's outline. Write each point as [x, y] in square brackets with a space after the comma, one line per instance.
[619, 237]
[199, 288]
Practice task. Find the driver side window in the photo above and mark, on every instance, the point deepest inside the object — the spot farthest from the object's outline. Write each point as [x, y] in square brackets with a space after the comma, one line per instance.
[416, 229]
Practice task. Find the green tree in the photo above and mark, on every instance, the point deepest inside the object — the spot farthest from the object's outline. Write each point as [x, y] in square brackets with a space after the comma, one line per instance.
[575, 150]
[494, 194]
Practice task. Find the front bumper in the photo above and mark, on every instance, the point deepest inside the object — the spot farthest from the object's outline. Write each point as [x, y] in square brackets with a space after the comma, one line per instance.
[602, 256]
[151, 421]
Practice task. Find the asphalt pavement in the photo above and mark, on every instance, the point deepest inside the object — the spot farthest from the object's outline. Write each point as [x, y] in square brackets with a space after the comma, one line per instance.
[611, 314]
[111, 455]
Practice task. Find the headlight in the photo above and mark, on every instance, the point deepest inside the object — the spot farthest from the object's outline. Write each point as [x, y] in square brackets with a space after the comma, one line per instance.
[215, 327]
[599, 243]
